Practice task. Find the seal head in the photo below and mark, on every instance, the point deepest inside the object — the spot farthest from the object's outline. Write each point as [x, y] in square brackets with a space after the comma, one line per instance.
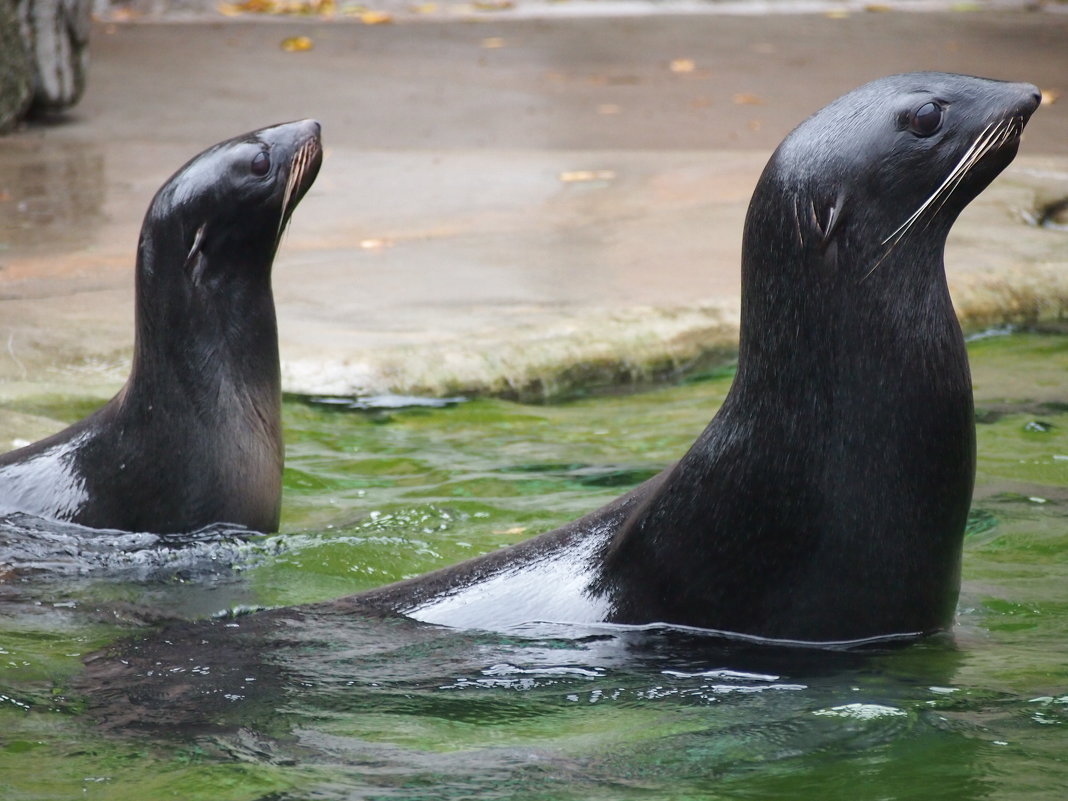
[194, 436]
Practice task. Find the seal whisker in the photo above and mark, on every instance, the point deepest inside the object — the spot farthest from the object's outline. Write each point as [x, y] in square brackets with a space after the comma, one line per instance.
[287, 193]
[957, 170]
[949, 184]
[999, 136]
[996, 138]
[291, 181]
[298, 168]
[987, 140]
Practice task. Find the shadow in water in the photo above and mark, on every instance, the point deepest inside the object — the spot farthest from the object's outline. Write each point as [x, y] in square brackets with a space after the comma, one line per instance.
[280, 667]
[400, 709]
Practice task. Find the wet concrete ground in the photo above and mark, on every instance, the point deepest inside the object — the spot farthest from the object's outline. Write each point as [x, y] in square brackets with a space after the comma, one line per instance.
[509, 205]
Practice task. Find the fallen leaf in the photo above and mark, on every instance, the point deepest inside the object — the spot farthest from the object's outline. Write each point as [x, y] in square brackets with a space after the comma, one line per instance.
[755, 125]
[743, 99]
[297, 44]
[258, 6]
[1049, 96]
[877, 8]
[124, 14]
[682, 65]
[376, 17]
[425, 8]
[493, 5]
[512, 530]
[580, 176]
[322, 8]
[608, 109]
[836, 13]
[493, 43]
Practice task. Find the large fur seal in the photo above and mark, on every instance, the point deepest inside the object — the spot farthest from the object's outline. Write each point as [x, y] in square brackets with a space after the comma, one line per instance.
[194, 437]
[827, 499]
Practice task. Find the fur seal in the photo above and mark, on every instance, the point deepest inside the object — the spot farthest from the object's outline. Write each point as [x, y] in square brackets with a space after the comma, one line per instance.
[194, 436]
[827, 499]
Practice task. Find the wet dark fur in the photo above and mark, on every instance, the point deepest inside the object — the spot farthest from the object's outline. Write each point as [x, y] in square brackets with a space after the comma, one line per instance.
[194, 437]
[828, 497]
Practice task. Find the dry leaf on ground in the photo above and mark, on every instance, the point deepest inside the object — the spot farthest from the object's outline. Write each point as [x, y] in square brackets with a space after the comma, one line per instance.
[297, 44]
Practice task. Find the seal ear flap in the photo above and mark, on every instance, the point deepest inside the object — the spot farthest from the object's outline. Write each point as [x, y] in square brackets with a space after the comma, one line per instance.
[827, 224]
[195, 261]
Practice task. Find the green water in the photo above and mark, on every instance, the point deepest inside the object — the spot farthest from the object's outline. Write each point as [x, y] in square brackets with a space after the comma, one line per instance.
[317, 705]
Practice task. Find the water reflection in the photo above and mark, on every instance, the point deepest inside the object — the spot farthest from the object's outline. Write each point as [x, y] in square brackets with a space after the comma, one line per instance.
[387, 705]
[332, 659]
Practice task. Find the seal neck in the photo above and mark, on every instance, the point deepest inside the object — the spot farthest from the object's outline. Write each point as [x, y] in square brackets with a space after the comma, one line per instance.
[819, 322]
[199, 339]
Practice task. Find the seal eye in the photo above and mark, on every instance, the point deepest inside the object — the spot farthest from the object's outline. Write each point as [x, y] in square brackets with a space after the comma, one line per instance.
[261, 164]
[925, 120]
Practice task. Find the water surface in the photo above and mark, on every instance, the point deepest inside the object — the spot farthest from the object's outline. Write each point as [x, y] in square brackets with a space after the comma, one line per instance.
[313, 703]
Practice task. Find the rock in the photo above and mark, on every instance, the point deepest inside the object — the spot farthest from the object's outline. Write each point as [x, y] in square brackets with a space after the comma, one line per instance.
[56, 34]
[16, 72]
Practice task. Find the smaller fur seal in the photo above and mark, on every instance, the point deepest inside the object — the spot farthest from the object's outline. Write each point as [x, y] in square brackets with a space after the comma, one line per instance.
[194, 436]
[827, 499]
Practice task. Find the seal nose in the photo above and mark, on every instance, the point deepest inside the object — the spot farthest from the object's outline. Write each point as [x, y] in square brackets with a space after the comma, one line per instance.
[298, 130]
[311, 127]
[1030, 101]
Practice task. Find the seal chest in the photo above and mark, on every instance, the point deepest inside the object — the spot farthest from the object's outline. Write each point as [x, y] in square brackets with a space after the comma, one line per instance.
[827, 499]
[194, 436]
